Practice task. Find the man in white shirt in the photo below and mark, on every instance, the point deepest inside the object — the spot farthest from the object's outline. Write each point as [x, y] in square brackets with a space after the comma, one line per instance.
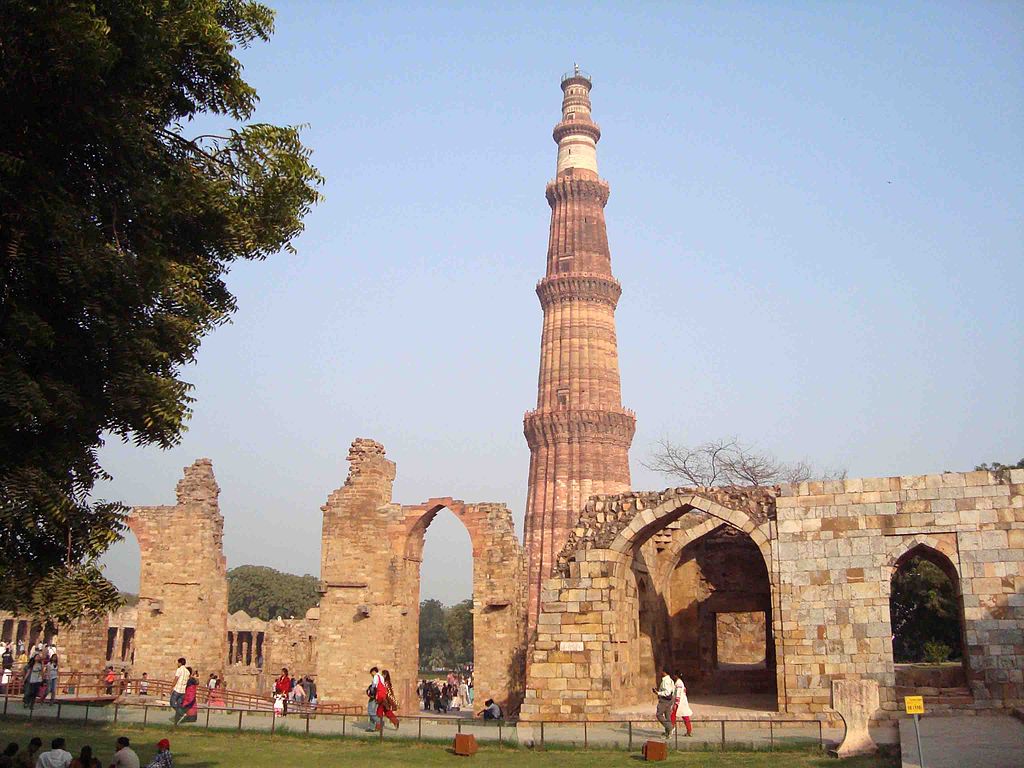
[181, 675]
[666, 691]
[56, 757]
[125, 756]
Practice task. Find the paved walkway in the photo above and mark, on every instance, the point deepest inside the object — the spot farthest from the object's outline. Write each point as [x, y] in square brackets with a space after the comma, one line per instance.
[964, 742]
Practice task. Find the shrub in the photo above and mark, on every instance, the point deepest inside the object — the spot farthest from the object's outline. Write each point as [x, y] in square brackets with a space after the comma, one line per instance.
[936, 653]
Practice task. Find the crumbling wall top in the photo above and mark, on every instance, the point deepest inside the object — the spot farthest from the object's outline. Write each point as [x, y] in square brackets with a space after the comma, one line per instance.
[198, 486]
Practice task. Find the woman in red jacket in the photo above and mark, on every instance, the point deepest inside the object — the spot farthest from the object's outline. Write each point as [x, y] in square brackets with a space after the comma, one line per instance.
[283, 686]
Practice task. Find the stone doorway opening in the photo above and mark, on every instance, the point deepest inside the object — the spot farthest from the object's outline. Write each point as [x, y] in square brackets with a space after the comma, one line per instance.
[445, 624]
[704, 609]
[927, 617]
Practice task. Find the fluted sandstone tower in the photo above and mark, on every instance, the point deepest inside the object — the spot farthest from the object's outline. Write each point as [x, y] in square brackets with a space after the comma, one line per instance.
[579, 435]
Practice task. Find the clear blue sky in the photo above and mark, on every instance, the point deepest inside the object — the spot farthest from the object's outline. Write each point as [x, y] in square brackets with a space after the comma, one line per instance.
[815, 217]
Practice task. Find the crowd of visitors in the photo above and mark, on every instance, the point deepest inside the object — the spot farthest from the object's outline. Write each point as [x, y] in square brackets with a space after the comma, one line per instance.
[38, 666]
[448, 694]
[289, 689]
[57, 756]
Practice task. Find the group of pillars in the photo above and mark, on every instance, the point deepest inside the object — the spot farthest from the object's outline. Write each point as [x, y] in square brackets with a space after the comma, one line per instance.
[241, 648]
[26, 630]
[121, 644]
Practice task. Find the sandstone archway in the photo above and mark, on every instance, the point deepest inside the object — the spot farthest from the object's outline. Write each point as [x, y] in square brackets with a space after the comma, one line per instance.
[370, 577]
[589, 626]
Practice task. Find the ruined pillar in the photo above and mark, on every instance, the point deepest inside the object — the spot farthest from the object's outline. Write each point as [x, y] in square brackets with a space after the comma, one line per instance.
[183, 590]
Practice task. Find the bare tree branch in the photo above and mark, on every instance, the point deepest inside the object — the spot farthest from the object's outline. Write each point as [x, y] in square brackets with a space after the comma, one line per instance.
[730, 462]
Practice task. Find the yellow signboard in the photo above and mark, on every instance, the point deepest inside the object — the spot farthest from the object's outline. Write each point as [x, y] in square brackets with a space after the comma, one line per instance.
[914, 705]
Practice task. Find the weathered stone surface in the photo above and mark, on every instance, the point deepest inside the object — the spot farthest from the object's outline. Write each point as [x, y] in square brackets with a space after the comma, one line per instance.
[856, 701]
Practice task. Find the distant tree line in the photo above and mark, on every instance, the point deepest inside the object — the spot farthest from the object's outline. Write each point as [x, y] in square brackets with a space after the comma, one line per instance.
[266, 593]
[446, 634]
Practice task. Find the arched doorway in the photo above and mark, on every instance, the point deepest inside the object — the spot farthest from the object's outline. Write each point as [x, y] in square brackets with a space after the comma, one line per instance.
[445, 638]
[497, 574]
[926, 616]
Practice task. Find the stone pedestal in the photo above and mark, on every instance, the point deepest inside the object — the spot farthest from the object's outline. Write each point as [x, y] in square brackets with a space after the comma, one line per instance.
[856, 701]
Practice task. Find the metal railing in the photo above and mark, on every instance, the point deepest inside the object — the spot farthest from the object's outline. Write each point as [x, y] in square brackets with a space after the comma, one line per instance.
[708, 734]
[82, 686]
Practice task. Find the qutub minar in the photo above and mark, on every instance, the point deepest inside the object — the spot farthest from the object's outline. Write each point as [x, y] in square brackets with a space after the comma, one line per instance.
[782, 593]
[579, 435]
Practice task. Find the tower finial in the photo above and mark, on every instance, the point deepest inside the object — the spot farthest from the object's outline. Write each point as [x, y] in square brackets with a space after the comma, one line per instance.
[575, 69]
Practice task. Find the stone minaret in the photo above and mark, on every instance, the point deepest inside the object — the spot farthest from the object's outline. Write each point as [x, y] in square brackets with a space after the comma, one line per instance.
[579, 435]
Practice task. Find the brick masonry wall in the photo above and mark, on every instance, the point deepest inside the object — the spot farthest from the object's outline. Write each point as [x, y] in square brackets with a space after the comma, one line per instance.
[183, 590]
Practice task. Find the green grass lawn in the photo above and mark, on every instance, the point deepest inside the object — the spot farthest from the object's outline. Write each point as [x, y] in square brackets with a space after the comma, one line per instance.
[219, 749]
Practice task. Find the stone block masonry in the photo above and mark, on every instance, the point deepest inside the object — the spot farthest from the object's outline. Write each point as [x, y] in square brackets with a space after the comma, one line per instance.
[183, 588]
[370, 582]
[830, 548]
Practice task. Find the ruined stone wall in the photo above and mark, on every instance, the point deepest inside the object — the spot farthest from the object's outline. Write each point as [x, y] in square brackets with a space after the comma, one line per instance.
[838, 544]
[831, 550]
[183, 591]
[370, 577]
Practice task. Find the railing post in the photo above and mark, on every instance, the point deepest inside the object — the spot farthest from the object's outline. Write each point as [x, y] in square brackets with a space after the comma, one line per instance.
[273, 723]
[585, 743]
[87, 711]
[145, 713]
[239, 721]
[58, 710]
[630, 724]
[381, 724]
[499, 733]
[723, 735]
[458, 725]
[207, 717]
[307, 722]
[771, 735]
[116, 709]
[542, 734]
[419, 729]
[675, 731]
[821, 740]
[5, 704]
[344, 717]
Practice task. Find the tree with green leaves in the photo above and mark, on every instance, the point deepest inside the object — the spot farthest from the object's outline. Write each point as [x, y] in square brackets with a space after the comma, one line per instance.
[266, 593]
[118, 223]
[924, 609]
[998, 466]
[446, 634]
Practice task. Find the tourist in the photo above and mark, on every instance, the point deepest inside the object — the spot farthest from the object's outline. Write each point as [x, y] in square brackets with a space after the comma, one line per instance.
[55, 757]
[163, 757]
[283, 687]
[464, 695]
[7, 658]
[109, 677]
[126, 682]
[681, 708]
[371, 695]
[51, 678]
[22, 657]
[32, 675]
[278, 705]
[666, 692]
[491, 710]
[311, 693]
[298, 692]
[124, 755]
[27, 759]
[386, 702]
[190, 701]
[86, 760]
[144, 685]
[5, 680]
[181, 676]
[7, 757]
[216, 695]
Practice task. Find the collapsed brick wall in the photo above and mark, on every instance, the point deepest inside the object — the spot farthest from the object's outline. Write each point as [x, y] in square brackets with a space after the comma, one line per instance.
[183, 590]
[370, 579]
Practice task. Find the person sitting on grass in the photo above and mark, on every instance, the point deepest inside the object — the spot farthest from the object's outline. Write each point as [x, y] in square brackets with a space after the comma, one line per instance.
[491, 710]
[85, 759]
[7, 758]
[27, 759]
[55, 757]
[163, 757]
[124, 756]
